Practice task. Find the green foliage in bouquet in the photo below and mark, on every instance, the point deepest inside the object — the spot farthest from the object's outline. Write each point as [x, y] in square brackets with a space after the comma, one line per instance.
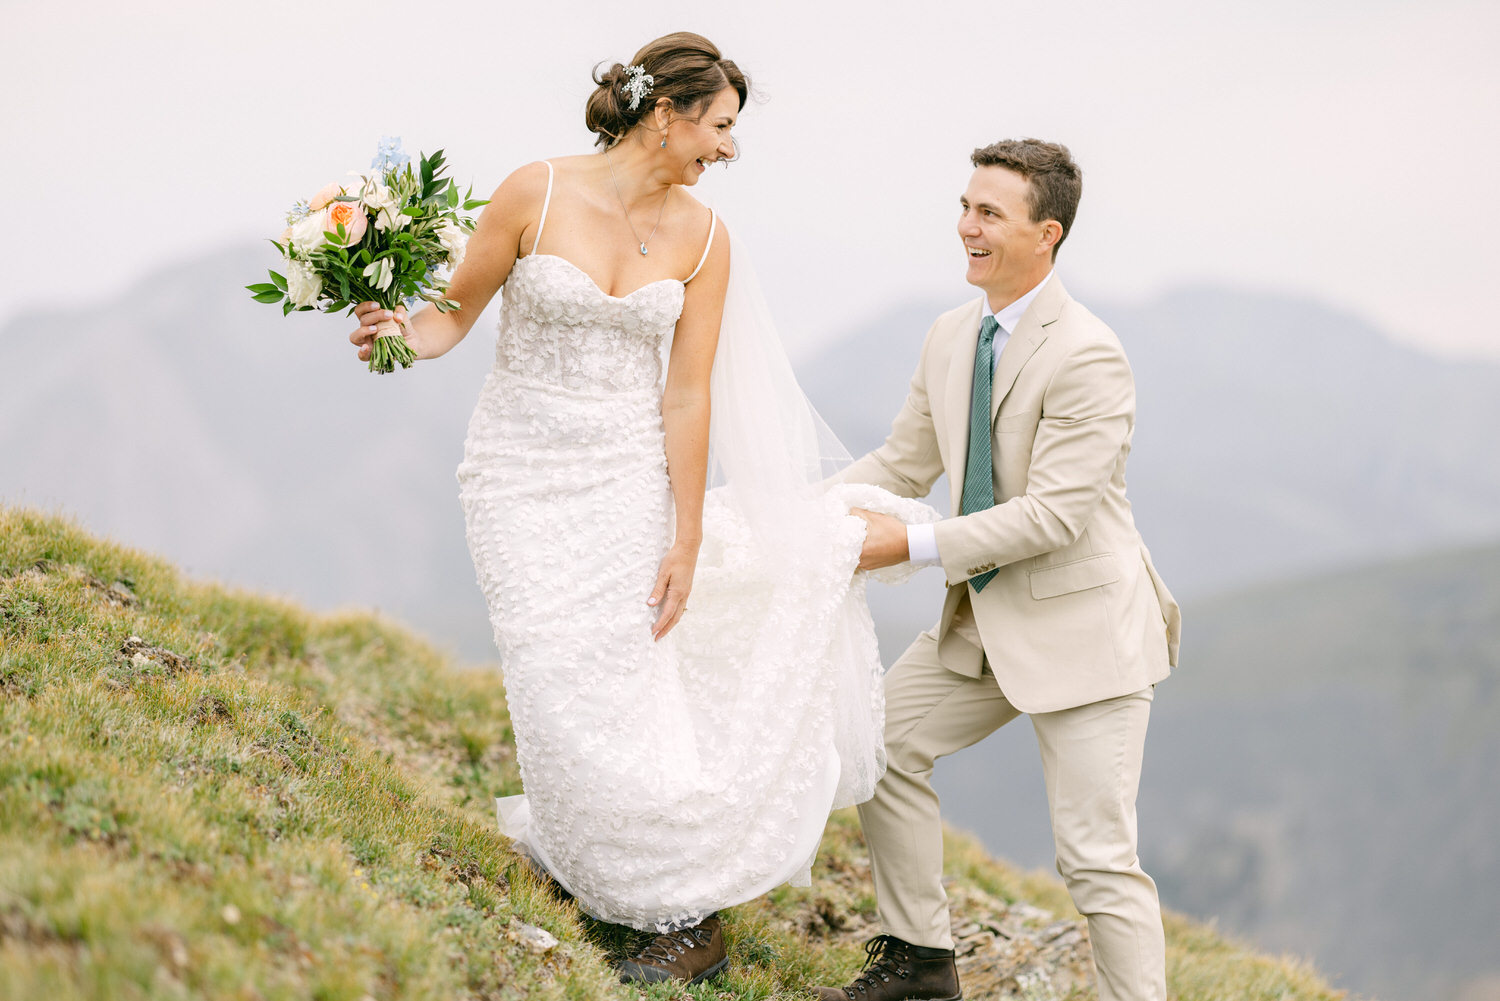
[389, 236]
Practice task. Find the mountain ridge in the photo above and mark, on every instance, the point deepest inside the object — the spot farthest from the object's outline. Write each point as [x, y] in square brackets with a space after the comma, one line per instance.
[271, 422]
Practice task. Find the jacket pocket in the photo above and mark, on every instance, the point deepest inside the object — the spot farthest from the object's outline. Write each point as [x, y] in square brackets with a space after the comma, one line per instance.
[1065, 578]
[1017, 422]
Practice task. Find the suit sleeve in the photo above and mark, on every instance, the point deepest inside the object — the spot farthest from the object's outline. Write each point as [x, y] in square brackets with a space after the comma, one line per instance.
[1088, 411]
[908, 463]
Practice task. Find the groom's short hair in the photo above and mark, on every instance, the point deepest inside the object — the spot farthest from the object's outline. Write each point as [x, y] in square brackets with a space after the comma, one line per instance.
[1054, 180]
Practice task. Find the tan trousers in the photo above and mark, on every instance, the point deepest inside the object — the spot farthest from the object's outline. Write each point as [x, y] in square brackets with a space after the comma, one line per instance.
[1091, 762]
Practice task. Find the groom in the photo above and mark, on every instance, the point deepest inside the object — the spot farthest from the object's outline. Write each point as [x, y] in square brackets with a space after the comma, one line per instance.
[1024, 398]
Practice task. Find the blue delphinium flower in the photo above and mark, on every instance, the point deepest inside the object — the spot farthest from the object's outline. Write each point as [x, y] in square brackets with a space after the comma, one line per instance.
[388, 154]
[299, 211]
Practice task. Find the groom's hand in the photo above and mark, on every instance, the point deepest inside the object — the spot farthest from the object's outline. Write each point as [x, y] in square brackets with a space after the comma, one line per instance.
[885, 541]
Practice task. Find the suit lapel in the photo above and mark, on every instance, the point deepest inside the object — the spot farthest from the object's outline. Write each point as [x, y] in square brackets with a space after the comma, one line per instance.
[1029, 334]
[960, 394]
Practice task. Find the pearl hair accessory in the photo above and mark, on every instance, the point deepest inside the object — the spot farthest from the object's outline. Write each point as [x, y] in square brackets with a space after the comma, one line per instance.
[638, 84]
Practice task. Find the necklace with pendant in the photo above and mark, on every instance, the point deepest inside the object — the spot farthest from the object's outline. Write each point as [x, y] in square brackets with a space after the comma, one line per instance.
[621, 197]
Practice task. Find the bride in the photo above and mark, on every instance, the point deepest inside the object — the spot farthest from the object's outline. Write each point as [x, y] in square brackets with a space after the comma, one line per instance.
[677, 757]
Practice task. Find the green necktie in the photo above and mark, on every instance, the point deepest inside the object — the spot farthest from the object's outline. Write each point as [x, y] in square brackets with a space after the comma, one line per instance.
[979, 470]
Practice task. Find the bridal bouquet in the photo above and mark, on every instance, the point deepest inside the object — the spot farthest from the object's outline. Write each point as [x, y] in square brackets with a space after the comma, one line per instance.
[388, 235]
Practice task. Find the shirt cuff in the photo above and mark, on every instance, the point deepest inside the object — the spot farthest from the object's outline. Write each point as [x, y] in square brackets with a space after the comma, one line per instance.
[921, 544]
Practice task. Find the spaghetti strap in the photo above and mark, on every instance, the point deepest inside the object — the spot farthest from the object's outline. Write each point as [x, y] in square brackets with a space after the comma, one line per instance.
[713, 225]
[546, 202]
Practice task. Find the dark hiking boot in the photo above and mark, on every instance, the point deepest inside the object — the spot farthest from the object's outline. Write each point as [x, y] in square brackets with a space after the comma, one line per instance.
[899, 971]
[692, 954]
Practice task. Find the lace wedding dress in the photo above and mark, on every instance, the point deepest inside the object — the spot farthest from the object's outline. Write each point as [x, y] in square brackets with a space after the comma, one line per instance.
[662, 780]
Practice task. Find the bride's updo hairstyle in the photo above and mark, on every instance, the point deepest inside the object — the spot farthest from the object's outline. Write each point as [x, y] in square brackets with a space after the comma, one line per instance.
[686, 69]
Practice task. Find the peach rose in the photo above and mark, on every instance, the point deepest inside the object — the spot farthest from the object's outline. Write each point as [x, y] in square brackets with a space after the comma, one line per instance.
[351, 215]
[334, 189]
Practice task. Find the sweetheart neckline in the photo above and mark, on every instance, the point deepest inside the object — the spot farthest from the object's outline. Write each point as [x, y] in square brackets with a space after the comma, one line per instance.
[590, 278]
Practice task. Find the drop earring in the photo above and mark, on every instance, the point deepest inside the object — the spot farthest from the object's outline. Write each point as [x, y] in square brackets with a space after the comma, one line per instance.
[663, 141]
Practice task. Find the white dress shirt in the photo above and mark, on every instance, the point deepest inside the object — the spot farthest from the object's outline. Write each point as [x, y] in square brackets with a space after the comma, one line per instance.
[921, 540]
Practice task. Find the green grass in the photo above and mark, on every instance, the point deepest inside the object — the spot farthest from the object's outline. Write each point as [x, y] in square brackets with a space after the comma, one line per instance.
[207, 793]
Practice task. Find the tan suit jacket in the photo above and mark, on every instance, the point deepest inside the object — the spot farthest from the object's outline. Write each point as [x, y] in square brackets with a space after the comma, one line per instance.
[1077, 613]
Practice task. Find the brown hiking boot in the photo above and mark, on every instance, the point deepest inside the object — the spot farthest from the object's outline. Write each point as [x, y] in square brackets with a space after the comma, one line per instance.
[692, 954]
[899, 971]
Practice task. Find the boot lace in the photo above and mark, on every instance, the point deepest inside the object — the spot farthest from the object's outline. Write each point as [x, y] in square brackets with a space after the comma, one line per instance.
[667, 946]
[885, 956]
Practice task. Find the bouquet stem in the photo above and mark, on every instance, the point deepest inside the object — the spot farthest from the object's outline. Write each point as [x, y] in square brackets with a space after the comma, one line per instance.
[389, 348]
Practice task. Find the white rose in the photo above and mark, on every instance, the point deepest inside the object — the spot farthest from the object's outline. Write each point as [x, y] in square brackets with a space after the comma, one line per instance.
[375, 195]
[379, 273]
[390, 217]
[302, 283]
[307, 235]
[454, 240]
[360, 184]
[379, 200]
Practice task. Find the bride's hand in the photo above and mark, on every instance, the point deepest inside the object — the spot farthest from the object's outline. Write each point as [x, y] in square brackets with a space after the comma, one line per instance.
[673, 582]
[371, 313]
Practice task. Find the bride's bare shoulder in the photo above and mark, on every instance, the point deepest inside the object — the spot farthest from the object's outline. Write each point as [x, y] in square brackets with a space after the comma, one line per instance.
[522, 192]
[694, 211]
[525, 183]
[576, 162]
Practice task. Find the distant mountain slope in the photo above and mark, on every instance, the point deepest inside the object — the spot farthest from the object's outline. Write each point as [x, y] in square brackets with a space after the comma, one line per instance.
[1323, 774]
[1275, 436]
[189, 419]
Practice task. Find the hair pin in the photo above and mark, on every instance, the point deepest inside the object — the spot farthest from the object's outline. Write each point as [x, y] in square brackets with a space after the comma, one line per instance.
[638, 84]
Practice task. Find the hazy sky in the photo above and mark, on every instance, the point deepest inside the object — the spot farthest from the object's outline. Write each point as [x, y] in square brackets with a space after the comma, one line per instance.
[1344, 150]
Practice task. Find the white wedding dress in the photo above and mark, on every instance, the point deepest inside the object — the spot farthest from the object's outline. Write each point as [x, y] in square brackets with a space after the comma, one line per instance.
[662, 780]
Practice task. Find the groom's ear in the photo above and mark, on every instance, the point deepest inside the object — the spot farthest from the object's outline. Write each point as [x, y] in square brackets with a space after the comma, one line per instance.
[1048, 238]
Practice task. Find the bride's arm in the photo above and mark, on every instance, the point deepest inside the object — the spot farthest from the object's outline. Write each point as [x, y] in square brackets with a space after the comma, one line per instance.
[685, 415]
[491, 253]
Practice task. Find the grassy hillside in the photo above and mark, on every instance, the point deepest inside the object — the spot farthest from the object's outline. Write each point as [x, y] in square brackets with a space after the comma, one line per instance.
[211, 794]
